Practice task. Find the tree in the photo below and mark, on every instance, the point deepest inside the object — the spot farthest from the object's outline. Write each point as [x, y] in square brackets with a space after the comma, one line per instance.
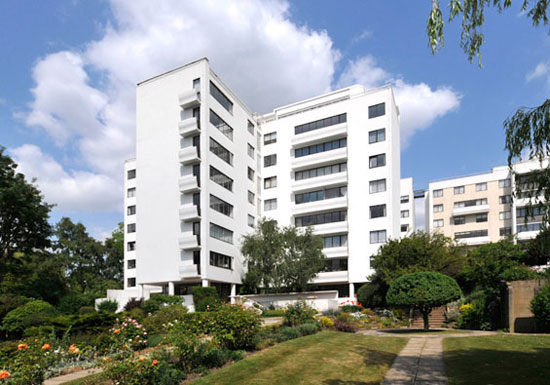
[281, 259]
[114, 255]
[24, 215]
[423, 291]
[538, 250]
[540, 306]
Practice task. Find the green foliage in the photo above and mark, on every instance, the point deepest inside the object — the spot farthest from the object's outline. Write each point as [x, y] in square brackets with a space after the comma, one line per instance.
[372, 294]
[158, 301]
[423, 291]
[518, 273]
[71, 304]
[32, 313]
[235, 328]
[133, 304]
[309, 328]
[205, 298]
[299, 313]
[10, 302]
[108, 306]
[540, 306]
[281, 259]
[344, 326]
[159, 322]
[114, 256]
[273, 313]
[129, 332]
[350, 308]
[287, 333]
[538, 249]
[86, 310]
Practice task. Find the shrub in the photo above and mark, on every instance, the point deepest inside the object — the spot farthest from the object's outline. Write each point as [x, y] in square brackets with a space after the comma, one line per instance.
[205, 298]
[10, 302]
[234, 327]
[133, 303]
[327, 323]
[158, 301]
[308, 328]
[299, 313]
[86, 310]
[540, 306]
[136, 313]
[351, 308]
[158, 323]
[287, 333]
[128, 332]
[273, 313]
[108, 306]
[473, 315]
[344, 326]
[346, 317]
[518, 273]
[33, 313]
[71, 304]
[372, 295]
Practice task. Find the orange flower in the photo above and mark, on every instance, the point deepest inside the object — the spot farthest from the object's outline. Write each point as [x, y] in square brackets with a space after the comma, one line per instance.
[106, 359]
[4, 374]
[36, 340]
[22, 346]
[154, 363]
[141, 358]
[45, 346]
[73, 349]
[117, 331]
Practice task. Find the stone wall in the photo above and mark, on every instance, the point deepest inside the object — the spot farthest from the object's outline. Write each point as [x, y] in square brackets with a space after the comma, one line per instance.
[520, 294]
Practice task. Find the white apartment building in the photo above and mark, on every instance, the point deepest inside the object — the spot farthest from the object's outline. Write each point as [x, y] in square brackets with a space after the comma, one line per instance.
[207, 169]
[478, 209]
[407, 214]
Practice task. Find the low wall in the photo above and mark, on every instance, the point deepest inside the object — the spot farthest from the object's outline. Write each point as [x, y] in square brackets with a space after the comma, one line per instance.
[520, 294]
[323, 301]
[124, 296]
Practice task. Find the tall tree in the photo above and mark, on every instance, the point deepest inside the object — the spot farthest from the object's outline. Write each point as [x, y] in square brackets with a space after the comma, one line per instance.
[114, 255]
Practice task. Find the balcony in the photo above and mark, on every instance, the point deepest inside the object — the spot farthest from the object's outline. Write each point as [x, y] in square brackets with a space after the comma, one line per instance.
[189, 213]
[339, 154]
[189, 271]
[189, 155]
[189, 183]
[320, 135]
[334, 252]
[331, 228]
[324, 205]
[189, 127]
[190, 99]
[475, 241]
[336, 179]
[189, 241]
[471, 210]
[331, 276]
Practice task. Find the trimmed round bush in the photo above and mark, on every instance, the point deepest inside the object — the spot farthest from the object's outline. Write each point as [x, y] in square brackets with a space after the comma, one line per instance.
[33, 313]
[540, 306]
[108, 306]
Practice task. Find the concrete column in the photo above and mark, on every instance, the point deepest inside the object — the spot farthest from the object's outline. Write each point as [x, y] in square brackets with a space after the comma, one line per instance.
[351, 291]
[171, 288]
[233, 292]
[205, 283]
[140, 291]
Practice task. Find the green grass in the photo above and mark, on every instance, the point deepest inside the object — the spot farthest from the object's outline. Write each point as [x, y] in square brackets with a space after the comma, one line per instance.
[420, 332]
[498, 360]
[327, 358]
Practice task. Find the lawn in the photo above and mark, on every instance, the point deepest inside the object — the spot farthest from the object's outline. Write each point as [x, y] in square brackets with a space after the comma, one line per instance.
[422, 332]
[328, 358]
[498, 360]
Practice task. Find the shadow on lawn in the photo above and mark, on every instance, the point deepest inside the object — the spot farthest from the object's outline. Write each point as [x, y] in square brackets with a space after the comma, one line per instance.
[412, 331]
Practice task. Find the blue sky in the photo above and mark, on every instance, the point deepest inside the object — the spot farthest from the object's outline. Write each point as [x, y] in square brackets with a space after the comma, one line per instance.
[69, 69]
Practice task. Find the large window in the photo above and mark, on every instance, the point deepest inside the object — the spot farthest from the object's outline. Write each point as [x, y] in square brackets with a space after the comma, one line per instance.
[529, 227]
[459, 220]
[250, 220]
[378, 236]
[438, 208]
[221, 206]
[250, 197]
[270, 182]
[321, 147]
[376, 186]
[471, 234]
[131, 246]
[131, 228]
[505, 231]
[270, 204]
[481, 186]
[221, 233]
[505, 215]
[270, 138]
[221, 98]
[221, 152]
[131, 192]
[377, 110]
[320, 171]
[250, 151]
[131, 210]
[470, 203]
[131, 174]
[459, 190]
[377, 161]
[131, 282]
[481, 217]
[377, 135]
[336, 264]
[220, 178]
[270, 160]
[319, 219]
[335, 241]
[378, 211]
[220, 260]
[438, 193]
[524, 212]
[333, 120]
[250, 174]
[503, 199]
[438, 223]
[131, 264]
[404, 199]
[503, 183]
[404, 213]
[221, 125]
[320, 195]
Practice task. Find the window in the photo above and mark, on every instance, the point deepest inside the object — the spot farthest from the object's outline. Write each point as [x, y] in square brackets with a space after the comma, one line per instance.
[220, 260]
[196, 83]
[250, 174]
[250, 197]
[270, 160]
[481, 186]
[221, 98]
[250, 151]
[377, 135]
[471, 234]
[221, 152]
[196, 228]
[220, 178]
[335, 241]
[131, 210]
[320, 171]
[481, 218]
[377, 161]
[221, 233]
[470, 203]
[503, 199]
[377, 110]
[404, 199]
[503, 183]
[131, 192]
[131, 282]
[459, 220]
[131, 174]
[438, 208]
[131, 246]
[438, 193]
[319, 195]
[438, 223]
[524, 212]
[270, 138]
[131, 264]
[376, 186]
[378, 236]
[336, 264]
[321, 147]
[378, 211]
[270, 182]
[505, 215]
[221, 206]
[319, 219]
[529, 227]
[250, 220]
[131, 228]
[270, 204]
[221, 125]
[251, 127]
[318, 124]
[505, 231]
[459, 190]
[404, 213]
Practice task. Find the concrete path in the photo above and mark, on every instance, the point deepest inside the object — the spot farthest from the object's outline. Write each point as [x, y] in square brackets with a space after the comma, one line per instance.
[72, 376]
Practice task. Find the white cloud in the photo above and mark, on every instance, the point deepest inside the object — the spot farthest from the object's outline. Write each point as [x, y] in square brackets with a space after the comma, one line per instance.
[541, 70]
[419, 104]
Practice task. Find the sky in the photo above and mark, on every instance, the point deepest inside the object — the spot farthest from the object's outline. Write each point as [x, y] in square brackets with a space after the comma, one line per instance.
[69, 69]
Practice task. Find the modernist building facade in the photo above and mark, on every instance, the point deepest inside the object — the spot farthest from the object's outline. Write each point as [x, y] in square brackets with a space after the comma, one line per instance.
[207, 169]
[480, 208]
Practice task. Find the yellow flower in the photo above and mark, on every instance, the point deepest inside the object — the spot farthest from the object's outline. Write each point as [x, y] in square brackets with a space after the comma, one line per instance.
[22, 346]
[4, 374]
[141, 358]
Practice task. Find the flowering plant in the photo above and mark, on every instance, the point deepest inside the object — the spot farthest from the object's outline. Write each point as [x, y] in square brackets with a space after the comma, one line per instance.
[129, 334]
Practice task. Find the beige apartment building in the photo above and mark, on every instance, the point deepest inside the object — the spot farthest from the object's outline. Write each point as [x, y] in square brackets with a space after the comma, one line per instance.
[478, 209]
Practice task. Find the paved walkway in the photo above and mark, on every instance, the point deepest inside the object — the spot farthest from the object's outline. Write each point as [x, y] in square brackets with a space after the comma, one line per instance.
[72, 376]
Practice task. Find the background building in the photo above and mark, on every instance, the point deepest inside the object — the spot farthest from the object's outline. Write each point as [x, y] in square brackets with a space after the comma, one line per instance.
[407, 214]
